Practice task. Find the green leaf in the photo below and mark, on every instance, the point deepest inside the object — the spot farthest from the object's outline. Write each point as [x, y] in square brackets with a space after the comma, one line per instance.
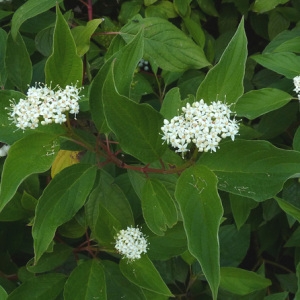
[137, 126]
[173, 243]
[252, 169]
[201, 209]
[234, 244]
[82, 35]
[298, 276]
[125, 60]
[3, 294]
[32, 154]
[183, 7]
[261, 6]
[163, 9]
[289, 208]
[14, 210]
[87, 281]
[129, 9]
[47, 286]
[241, 208]
[3, 73]
[50, 261]
[28, 10]
[64, 66]
[195, 30]
[171, 104]
[284, 63]
[118, 287]
[208, 7]
[149, 2]
[142, 273]
[18, 63]
[60, 201]
[225, 80]
[259, 102]
[158, 207]
[166, 45]
[242, 282]
[277, 24]
[44, 41]
[294, 239]
[4, 14]
[286, 41]
[296, 140]
[277, 296]
[108, 210]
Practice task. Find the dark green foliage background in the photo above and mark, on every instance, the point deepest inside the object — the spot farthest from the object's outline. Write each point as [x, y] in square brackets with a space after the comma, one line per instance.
[221, 225]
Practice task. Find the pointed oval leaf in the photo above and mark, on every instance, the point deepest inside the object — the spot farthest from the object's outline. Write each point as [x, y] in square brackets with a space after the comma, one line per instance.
[262, 6]
[289, 208]
[32, 154]
[87, 281]
[64, 158]
[241, 208]
[259, 102]
[142, 273]
[225, 80]
[158, 207]
[252, 169]
[118, 287]
[286, 41]
[126, 61]
[173, 243]
[30, 9]
[61, 199]
[51, 260]
[64, 66]
[47, 286]
[284, 63]
[201, 209]
[242, 282]
[82, 35]
[137, 126]
[108, 210]
[166, 45]
[171, 104]
[18, 63]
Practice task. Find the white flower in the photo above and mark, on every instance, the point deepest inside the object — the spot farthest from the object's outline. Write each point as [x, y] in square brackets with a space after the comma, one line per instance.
[297, 84]
[202, 124]
[131, 243]
[44, 105]
[4, 150]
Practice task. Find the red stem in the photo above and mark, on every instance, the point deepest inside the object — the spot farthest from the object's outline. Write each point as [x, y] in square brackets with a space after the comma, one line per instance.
[90, 10]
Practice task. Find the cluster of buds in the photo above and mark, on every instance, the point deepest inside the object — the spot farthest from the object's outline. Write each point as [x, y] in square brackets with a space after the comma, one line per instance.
[131, 243]
[45, 105]
[201, 124]
[144, 64]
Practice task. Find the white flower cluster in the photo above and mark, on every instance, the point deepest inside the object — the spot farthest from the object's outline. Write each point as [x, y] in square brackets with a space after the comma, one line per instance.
[45, 105]
[131, 243]
[202, 124]
[297, 85]
[4, 150]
